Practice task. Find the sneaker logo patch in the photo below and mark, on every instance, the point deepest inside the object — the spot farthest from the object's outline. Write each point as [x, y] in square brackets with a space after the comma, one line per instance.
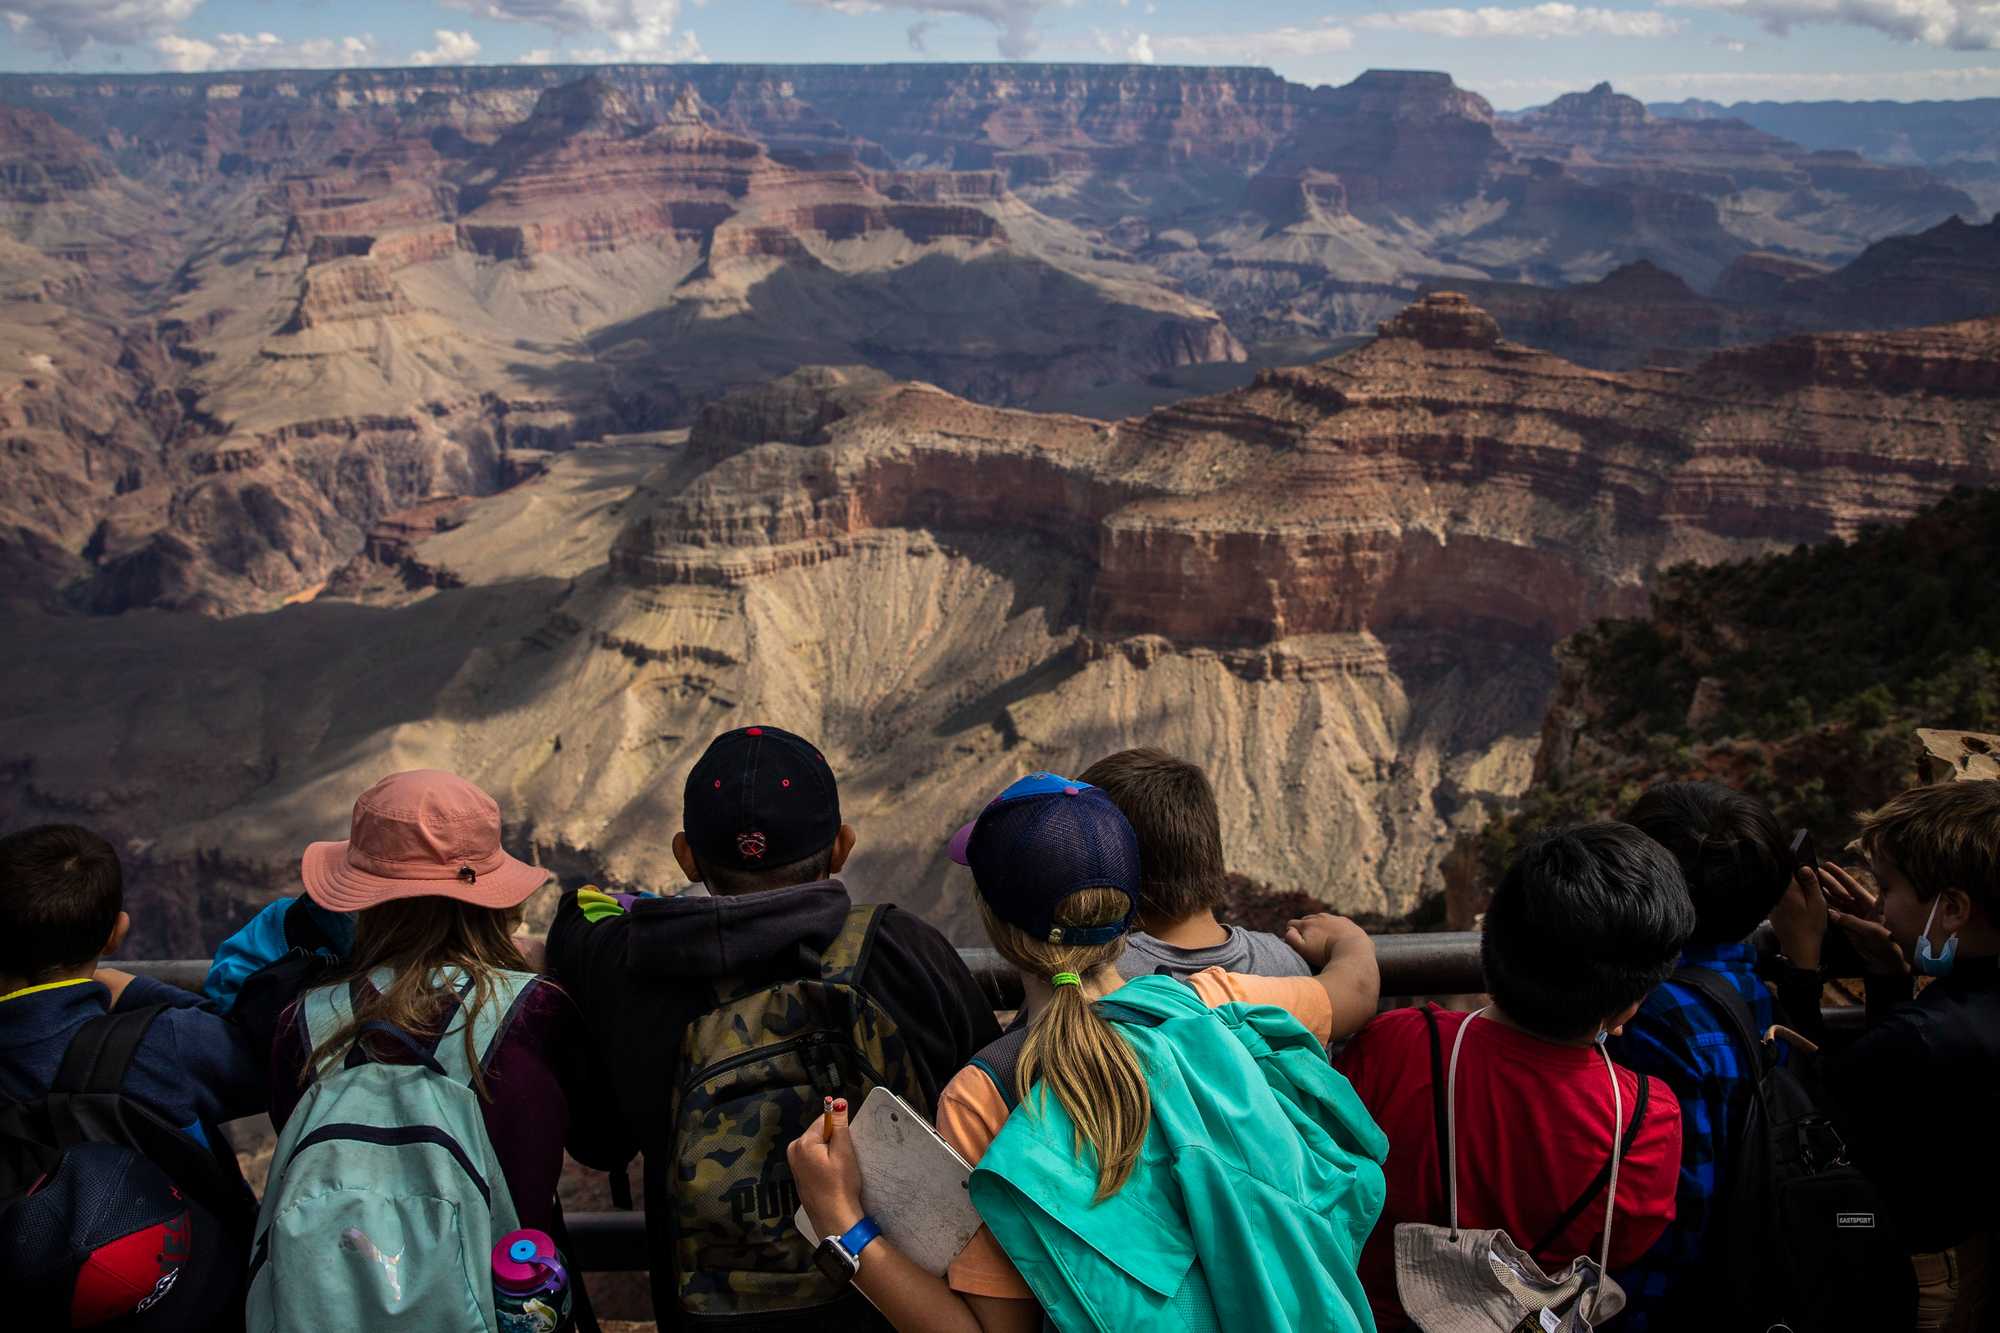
[750, 846]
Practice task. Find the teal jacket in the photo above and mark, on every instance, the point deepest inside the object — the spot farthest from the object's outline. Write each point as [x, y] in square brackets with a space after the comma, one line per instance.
[1260, 1178]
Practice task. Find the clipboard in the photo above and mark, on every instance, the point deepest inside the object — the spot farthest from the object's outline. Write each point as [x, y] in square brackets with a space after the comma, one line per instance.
[913, 1184]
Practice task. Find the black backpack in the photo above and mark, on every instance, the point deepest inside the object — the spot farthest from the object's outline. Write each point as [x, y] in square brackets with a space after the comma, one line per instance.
[1798, 1240]
[79, 1156]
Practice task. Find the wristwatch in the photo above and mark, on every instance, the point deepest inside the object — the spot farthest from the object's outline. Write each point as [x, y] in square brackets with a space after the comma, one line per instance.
[839, 1257]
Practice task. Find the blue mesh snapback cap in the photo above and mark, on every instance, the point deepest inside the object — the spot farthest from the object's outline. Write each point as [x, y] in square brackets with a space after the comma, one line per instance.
[1043, 839]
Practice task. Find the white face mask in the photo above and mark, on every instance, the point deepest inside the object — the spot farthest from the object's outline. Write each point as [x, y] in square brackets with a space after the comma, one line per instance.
[1927, 962]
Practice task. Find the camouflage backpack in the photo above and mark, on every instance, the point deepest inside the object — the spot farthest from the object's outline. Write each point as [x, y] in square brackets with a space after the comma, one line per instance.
[756, 1068]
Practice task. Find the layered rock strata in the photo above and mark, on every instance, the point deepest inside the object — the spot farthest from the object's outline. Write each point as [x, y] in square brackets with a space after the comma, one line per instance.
[1337, 588]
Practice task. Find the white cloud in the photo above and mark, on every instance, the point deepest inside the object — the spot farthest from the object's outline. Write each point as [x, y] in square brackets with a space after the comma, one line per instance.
[1273, 44]
[636, 29]
[1013, 20]
[1125, 44]
[1960, 25]
[453, 48]
[70, 25]
[683, 48]
[541, 55]
[919, 31]
[263, 50]
[1554, 19]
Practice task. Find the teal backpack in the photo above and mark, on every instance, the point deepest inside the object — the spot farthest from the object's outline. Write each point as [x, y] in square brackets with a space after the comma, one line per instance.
[1260, 1178]
[385, 1199]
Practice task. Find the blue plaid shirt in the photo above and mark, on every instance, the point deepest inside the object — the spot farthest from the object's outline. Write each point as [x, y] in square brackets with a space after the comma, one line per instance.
[1679, 1037]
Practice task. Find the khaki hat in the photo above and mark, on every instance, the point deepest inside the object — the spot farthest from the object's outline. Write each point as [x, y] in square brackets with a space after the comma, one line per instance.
[421, 834]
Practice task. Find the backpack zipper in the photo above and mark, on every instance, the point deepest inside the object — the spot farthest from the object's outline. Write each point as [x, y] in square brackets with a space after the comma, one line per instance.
[721, 1067]
[394, 1136]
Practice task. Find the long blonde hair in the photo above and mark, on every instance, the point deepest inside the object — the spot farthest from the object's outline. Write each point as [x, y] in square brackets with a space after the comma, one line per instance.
[1075, 1052]
[414, 937]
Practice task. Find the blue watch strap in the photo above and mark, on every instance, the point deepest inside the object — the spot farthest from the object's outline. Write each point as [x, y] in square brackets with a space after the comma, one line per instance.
[857, 1237]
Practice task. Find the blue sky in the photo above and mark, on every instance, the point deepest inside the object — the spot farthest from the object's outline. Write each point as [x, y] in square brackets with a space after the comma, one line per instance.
[1516, 53]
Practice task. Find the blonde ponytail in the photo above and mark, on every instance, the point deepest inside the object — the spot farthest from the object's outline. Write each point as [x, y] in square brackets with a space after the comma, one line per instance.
[1072, 1049]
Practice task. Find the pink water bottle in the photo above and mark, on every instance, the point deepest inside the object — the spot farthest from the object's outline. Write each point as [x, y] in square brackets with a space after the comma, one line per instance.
[530, 1284]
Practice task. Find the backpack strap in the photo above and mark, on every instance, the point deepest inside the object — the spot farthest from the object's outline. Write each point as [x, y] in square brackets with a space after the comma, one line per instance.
[1603, 1176]
[102, 1051]
[1440, 1088]
[1742, 1024]
[96, 1061]
[329, 1010]
[1723, 997]
[999, 1058]
[489, 1024]
[847, 957]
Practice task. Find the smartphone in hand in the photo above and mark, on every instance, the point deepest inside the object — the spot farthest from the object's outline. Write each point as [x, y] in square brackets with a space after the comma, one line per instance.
[1804, 854]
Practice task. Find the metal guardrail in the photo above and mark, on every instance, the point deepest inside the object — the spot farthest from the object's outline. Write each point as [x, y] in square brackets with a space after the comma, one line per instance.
[1441, 963]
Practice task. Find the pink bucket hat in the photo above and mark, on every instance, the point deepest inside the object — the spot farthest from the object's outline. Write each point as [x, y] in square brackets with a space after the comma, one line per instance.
[424, 833]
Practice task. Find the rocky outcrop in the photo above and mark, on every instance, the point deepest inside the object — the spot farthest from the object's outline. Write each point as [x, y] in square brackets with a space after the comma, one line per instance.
[1644, 314]
[1393, 139]
[1441, 478]
[1844, 201]
[1444, 321]
[43, 163]
[1636, 315]
[1950, 272]
[1955, 361]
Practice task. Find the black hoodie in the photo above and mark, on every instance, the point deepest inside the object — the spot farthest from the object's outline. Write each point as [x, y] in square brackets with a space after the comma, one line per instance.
[641, 977]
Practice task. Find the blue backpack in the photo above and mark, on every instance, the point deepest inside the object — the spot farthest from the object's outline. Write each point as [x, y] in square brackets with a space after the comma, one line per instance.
[385, 1198]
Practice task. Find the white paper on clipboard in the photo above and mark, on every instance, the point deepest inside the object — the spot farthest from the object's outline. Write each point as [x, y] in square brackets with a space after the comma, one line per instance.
[913, 1183]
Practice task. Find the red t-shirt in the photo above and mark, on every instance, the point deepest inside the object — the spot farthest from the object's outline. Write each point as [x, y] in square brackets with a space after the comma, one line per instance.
[1534, 1128]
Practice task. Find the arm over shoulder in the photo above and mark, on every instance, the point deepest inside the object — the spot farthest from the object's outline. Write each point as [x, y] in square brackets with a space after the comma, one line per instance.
[210, 1060]
[1302, 997]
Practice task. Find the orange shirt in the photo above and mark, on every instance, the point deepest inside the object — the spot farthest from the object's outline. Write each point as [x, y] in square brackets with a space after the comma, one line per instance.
[971, 1112]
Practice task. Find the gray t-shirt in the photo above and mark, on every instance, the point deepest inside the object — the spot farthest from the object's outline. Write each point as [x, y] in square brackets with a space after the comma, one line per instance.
[1252, 951]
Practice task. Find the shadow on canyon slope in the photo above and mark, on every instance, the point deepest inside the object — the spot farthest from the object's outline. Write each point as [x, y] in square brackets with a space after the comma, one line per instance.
[142, 724]
[1064, 334]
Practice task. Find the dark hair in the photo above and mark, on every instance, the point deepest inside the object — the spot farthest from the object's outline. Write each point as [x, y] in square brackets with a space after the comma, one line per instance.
[61, 890]
[1945, 836]
[1171, 806]
[727, 883]
[1732, 853]
[1583, 924]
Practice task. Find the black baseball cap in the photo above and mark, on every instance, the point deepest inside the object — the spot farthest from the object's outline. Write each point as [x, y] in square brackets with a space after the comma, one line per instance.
[1043, 839]
[760, 797]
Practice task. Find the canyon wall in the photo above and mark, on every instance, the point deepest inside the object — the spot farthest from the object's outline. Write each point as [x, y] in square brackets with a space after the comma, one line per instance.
[1337, 588]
